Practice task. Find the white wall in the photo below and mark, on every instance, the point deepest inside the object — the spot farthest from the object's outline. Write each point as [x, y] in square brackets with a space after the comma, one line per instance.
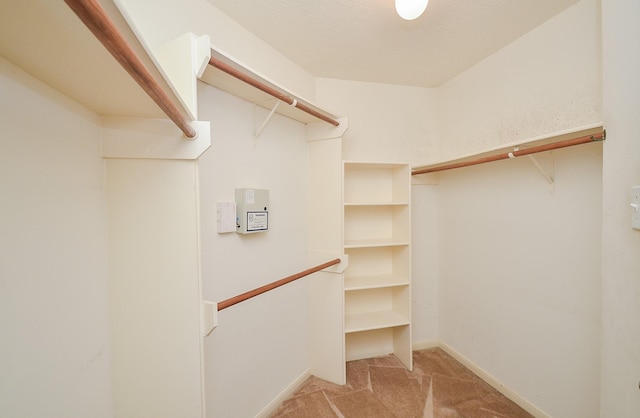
[620, 243]
[425, 261]
[519, 263]
[546, 81]
[386, 122]
[520, 275]
[154, 288]
[261, 345]
[54, 355]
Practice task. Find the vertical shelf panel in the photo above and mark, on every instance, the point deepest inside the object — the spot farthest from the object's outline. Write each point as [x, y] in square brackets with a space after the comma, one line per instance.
[154, 287]
[324, 235]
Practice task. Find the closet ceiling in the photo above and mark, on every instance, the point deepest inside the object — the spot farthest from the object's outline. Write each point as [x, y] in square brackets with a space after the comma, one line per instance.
[360, 40]
[365, 40]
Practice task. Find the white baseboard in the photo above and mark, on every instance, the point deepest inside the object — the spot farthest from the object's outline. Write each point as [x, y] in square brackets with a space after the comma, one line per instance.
[288, 391]
[515, 397]
[425, 345]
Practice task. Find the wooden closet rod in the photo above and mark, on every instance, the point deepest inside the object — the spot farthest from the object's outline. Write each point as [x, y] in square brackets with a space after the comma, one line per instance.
[99, 22]
[517, 153]
[260, 290]
[222, 66]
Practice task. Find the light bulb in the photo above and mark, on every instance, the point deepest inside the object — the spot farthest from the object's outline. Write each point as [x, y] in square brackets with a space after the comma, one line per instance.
[411, 9]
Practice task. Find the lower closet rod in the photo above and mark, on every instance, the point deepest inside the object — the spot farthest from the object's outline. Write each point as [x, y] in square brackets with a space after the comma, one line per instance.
[260, 290]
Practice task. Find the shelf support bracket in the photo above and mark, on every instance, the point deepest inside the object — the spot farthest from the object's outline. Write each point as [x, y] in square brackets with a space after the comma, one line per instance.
[537, 165]
[258, 131]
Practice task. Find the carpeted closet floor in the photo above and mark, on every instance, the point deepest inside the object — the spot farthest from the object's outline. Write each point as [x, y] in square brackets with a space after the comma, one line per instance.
[381, 387]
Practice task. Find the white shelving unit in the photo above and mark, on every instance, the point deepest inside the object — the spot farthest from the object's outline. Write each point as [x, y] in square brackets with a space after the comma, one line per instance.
[376, 237]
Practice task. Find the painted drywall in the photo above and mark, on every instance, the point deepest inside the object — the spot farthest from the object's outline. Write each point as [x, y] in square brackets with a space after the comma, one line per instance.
[546, 81]
[519, 262]
[260, 346]
[386, 122]
[425, 258]
[154, 288]
[620, 244]
[54, 355]
[520, 275]
[160, 22]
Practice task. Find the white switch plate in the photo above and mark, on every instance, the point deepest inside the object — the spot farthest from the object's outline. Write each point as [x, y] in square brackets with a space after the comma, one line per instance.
[635, 207]
[226, 212]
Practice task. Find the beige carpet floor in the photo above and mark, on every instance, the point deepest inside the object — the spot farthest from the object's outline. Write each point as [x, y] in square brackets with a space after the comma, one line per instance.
[438, 387]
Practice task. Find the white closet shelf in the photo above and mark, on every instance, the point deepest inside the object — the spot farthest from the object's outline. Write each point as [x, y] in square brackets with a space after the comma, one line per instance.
[374, 242]
[373, 165]
[220, 79]
[99, 83]
[594, 129]
[352, 283]
[374, 203]
[104, 85]
[374, 320]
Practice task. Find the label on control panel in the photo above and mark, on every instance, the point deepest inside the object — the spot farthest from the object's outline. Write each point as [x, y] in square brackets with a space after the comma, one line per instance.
[257, 221]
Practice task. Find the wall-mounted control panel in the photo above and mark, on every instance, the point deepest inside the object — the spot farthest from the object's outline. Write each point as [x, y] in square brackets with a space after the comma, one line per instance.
[252, 210]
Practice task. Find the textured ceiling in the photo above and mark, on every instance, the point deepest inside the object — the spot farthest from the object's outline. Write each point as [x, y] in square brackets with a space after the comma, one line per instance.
[365, 40]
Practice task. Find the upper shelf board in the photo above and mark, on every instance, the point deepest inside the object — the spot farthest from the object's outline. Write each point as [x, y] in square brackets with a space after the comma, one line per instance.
[232, 85]
[47, 40]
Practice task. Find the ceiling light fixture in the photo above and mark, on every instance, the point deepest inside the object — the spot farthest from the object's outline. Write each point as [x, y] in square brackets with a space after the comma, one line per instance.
[411, 9]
